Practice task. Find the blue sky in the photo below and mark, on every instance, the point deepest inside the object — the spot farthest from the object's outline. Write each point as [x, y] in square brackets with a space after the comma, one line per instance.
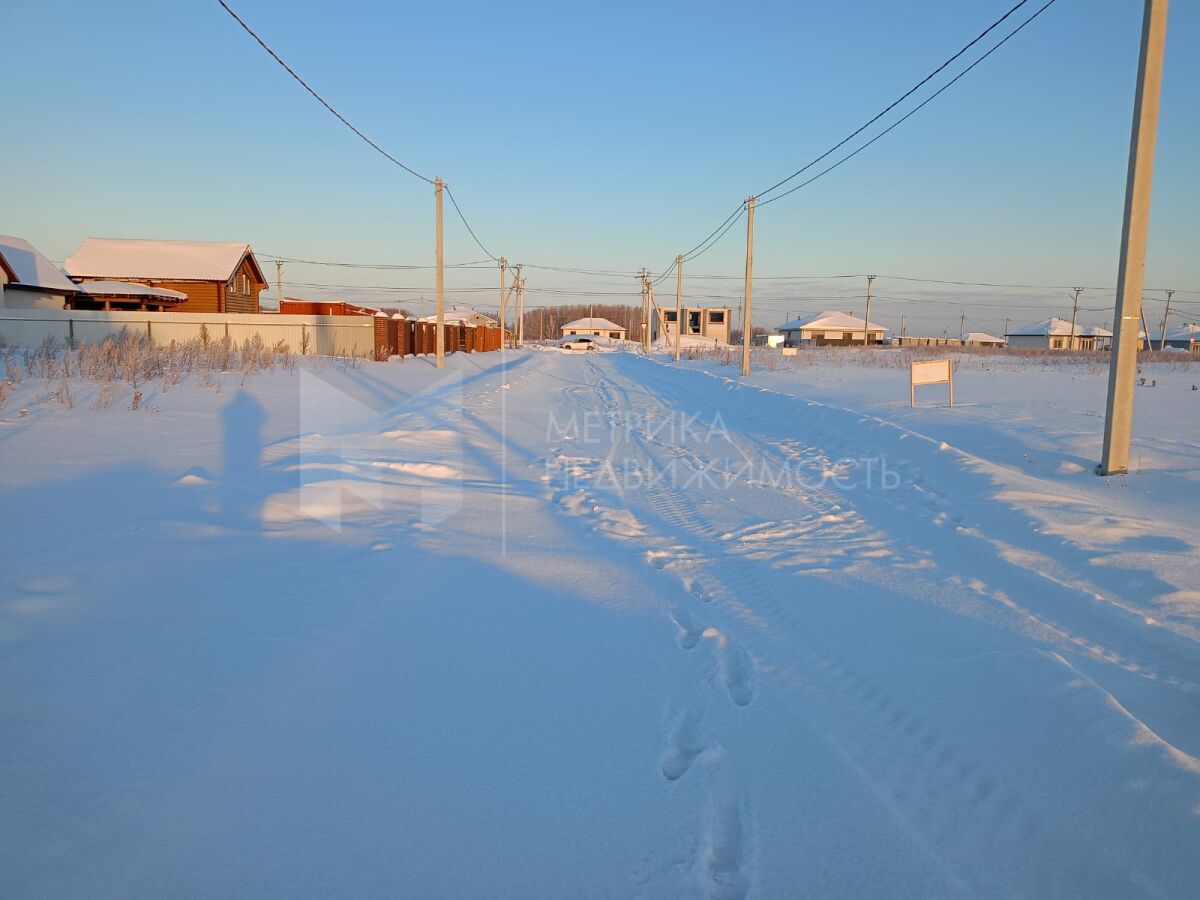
[609, 136]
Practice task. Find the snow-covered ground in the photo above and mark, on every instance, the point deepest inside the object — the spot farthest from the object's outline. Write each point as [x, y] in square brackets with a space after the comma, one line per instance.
[600, 625]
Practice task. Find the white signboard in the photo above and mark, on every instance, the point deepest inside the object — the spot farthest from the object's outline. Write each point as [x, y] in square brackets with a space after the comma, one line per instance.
[930, 371]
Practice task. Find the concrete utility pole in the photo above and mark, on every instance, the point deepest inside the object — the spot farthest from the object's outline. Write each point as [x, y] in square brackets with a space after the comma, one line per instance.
[746, 317]
[1122, 366]
[279, 283]
[1075, 316]
[520, 323]
[1162, 341]
[503, 266]
[867, 314]
[678, 303]
[441, 312]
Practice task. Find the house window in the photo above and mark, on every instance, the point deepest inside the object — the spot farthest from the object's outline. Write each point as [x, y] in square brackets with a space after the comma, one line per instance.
[614, 334]
[717, 317]
[669, 315]
[596, 333]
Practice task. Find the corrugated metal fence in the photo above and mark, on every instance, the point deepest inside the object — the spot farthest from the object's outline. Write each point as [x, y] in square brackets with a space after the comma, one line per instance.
[376, 337]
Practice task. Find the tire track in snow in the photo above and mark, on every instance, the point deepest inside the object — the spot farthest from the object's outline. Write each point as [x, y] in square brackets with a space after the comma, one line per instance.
[916, 771]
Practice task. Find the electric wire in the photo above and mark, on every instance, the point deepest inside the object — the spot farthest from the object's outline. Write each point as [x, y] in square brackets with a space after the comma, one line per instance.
[920, 84]
[304, 84]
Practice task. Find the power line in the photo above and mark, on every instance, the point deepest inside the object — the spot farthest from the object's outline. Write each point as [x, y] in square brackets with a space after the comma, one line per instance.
[470, 230]
[920, 84]
[304, 84]
[915, 109]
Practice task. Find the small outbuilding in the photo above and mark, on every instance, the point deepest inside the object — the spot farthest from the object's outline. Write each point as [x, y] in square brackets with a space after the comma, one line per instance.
[1184, 337]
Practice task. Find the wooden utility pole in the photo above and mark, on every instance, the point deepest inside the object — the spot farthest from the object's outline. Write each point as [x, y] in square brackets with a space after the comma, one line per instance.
[903, 332]
[1162, 341]
[678, 303]
[279, 283]
[441, 312]
[867, 314]
[1122, 367]
[962, 326]
[1075, 316]
[746, 317]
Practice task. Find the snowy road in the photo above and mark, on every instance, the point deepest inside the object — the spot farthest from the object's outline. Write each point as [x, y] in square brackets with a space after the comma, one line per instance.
[579, 625]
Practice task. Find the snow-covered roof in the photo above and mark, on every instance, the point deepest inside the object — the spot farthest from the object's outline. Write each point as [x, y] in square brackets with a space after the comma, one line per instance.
[456, 315]
[830, 320]
[164, 260]
[982, 337]
[129, 289]
[1184, 332]
[31, 268]
[594, 324]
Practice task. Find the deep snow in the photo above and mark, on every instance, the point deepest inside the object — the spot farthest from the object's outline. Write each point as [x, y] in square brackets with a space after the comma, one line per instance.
[599, 625]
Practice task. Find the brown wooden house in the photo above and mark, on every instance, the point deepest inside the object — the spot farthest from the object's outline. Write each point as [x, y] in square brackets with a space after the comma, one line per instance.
[216, 277]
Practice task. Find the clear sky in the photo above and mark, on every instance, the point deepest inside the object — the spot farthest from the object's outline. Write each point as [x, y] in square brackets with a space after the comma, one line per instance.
[609, 136]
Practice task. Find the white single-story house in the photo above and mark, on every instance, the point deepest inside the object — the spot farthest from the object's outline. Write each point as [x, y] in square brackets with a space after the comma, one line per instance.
[981, 339]
[594, 327]
[460, 315]
[831, 327]
[1185, 337]
[1055, 334]
[30, 281]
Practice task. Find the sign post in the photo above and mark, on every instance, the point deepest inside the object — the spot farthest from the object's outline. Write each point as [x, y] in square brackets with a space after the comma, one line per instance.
[930, 371]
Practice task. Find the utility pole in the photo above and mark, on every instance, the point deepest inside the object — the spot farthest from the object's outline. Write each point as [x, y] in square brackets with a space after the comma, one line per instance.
[1122, 366]
[1162, 341]
[503, 266]
[645, 304]
[678, 303]
[1005, 335]
[746, 317]
[441, 312]
[279, 283]
[962, 326]
[1075, 316]
[903, 331]
[520, 325]
[650, 307]
[867, 314]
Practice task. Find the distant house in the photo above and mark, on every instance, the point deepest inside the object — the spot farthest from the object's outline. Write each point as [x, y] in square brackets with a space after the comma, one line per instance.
[981, 339]
[30, 281]
[831, 328]
[1185, 337]
[214, 277]
[1055, 334]
[460, 315]
[594, 327]
[702, 321]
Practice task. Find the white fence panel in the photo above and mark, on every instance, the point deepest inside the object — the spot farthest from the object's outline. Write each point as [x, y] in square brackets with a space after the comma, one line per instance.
[314, 335]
